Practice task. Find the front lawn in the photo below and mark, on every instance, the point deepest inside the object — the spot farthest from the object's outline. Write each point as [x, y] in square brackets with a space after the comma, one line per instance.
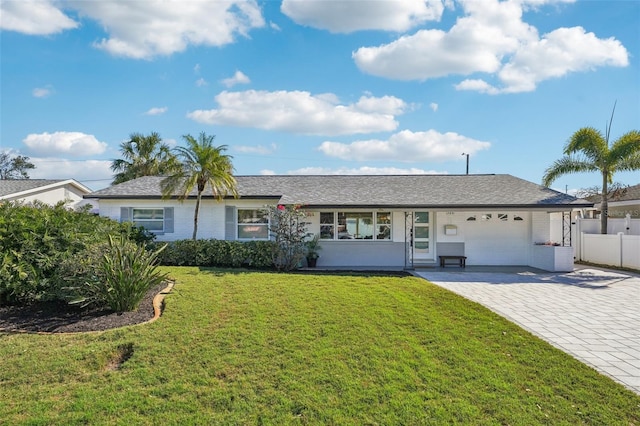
[267, 348]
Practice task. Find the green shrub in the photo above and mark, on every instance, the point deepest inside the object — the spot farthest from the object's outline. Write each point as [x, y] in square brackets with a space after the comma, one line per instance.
[218, 253]
[36, 239]
[129, 271]
[117, 274]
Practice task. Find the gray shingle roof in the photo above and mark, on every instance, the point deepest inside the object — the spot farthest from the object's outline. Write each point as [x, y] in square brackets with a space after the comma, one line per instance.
[12, 186]
[434, 191]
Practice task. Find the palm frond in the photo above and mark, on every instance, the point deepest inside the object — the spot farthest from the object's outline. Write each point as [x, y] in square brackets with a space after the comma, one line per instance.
[624, 152]
[588, 141]
[566, 165]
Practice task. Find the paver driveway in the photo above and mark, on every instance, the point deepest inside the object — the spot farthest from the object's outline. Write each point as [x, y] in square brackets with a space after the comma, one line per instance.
[592, 314]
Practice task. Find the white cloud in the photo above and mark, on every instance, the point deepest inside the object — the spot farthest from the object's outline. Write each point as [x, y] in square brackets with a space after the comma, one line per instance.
[150, 28]
[42, 92]
[260, 149]
[70, 143]
[156, 111]
[350, 16]
[302, 113]
[31, 17]
[477, 85]
[196, 69]
[433, 106]
[274, 26]
[406, 146]
[201, 82]
[492, 38]
[363, 171]
[238, 78]
[558, 53]
[93, 173]
[267, 172]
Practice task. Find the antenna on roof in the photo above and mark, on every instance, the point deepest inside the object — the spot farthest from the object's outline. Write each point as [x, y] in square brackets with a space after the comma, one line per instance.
[467, 162]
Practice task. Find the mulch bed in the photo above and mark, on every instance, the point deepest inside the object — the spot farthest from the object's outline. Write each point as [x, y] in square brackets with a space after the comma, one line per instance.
[64, 318]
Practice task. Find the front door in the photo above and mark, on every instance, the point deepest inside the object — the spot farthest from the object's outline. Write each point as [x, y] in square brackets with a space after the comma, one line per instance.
[421, 237]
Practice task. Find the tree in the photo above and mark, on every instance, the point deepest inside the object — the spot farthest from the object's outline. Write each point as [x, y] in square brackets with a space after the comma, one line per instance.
[588, 150]
[202, 165]
[143, 156]
[14, 168]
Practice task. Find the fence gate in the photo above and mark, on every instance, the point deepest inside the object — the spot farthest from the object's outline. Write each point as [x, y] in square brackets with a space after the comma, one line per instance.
[566, 229]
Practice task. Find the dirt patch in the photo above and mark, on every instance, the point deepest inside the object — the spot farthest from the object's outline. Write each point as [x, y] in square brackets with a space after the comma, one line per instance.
[63, 318]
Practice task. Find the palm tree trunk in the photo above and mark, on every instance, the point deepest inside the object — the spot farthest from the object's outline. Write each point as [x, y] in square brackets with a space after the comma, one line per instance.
[604, 204]
[195, 215]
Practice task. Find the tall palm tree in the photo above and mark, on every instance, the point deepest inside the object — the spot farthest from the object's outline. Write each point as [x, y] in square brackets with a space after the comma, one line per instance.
[588, 150]
[203, 165]
[143, 156]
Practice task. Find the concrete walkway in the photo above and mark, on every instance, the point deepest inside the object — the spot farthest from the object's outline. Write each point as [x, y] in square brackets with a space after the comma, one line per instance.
[592, 314]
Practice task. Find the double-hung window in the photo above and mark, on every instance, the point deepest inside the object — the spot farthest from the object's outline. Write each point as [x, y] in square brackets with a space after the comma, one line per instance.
[150, 219]
[253, 224]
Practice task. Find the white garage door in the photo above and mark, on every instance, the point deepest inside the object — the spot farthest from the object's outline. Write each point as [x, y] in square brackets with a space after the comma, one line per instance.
[494, 238]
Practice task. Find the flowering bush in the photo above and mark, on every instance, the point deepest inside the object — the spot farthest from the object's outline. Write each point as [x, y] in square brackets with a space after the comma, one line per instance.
[289, 230]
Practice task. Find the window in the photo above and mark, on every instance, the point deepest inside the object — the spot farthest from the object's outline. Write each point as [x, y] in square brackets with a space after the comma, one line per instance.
[503, 217]
[471, 218]
[383, 226]
[486, 217]
[355, 225]
[150, 219]
[252, 225]
[517, 218]
[327, 225]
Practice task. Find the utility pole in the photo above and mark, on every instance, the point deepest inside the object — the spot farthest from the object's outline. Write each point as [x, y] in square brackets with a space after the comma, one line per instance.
[467, 162]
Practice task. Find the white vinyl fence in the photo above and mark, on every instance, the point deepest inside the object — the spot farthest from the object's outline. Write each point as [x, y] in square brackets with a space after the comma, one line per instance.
[620, 249]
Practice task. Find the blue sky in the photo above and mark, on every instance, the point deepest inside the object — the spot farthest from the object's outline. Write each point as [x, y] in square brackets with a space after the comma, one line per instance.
[319, 87]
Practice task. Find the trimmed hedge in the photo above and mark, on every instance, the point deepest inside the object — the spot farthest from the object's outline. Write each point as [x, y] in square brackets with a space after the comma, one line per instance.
[218, 253]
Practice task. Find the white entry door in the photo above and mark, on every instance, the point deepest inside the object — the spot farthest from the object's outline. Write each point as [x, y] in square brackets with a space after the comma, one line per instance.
[422, 249]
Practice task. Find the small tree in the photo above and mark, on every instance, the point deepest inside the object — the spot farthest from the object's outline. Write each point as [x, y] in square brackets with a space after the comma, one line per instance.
[202, 165]
[289, 230]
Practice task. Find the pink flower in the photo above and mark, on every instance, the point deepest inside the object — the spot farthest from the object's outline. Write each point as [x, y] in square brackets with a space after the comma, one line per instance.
[281, 207]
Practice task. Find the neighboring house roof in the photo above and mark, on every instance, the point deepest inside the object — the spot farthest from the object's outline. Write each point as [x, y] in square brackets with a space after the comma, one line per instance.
[11, 189]
[630, 193]
[432, 191]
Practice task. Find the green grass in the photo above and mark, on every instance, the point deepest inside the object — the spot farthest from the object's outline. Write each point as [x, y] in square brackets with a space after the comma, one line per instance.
[260, 348]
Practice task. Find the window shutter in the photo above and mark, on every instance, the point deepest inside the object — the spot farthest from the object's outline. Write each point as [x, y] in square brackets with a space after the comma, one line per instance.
[230, 223]
[168, 220]
[125, 214]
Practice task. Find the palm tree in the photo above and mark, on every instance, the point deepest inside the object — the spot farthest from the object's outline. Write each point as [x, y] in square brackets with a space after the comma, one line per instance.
[588, 150]
[143, 156]
[203, 165]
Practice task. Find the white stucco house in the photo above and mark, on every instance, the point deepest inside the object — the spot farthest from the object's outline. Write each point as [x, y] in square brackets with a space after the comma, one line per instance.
[401, 221]
[47, 191]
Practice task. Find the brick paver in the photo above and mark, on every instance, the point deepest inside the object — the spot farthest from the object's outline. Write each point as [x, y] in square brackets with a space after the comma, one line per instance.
[592, 314]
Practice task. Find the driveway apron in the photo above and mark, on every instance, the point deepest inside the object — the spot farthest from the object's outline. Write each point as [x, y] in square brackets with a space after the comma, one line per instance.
[592, 314]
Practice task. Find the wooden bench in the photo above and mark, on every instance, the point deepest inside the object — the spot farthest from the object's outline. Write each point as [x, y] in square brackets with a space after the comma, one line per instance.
[462, 260]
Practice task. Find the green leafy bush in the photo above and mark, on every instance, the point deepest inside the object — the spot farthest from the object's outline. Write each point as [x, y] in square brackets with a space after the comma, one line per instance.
[219, 253]
[129, 272]
[36, 239]
[116, 274]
